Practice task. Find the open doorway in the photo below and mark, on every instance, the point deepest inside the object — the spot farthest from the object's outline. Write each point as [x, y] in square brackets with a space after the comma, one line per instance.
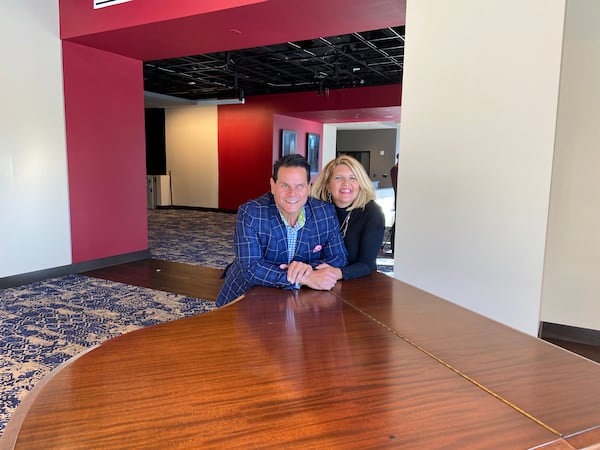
[362, 157]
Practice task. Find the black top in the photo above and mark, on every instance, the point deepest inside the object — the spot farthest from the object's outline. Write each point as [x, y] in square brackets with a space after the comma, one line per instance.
[363, 239]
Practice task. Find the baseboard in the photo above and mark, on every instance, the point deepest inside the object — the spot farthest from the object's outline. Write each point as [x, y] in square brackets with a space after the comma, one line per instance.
[569, 333]
[198, 208]
[39, 275]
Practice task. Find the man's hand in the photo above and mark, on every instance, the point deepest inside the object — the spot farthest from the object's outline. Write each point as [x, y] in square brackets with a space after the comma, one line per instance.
[297, 271]
[322, 278]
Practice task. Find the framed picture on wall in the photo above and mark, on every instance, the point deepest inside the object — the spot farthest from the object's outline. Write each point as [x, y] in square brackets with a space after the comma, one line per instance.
[288, 142]
[313, 141]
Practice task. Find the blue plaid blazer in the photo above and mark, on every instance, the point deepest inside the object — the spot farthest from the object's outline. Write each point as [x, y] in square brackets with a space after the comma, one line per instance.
[261, 245]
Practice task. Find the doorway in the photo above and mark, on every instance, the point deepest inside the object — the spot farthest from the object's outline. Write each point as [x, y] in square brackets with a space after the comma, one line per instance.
[362, 157]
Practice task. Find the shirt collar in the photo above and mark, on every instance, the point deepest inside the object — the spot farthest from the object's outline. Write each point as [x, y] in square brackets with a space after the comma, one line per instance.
[299, 223]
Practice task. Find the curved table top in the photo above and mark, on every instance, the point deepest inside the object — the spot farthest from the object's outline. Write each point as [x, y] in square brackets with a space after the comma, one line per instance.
[373, 363]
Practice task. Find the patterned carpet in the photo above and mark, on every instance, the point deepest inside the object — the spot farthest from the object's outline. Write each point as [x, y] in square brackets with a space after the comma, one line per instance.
[44, 324]
[191, 236]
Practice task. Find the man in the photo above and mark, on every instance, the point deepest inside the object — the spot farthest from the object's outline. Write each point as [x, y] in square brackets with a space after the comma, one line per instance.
[282, 236]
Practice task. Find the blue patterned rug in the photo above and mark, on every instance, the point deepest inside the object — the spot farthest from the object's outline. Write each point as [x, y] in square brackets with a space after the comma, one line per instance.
[44, 324]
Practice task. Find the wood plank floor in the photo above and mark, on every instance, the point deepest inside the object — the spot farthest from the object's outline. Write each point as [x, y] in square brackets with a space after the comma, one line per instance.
[178, 278]
[588, 351]
[205, 283]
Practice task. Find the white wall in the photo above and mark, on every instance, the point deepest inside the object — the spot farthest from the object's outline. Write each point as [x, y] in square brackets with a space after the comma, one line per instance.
[192, 155]
[571, 291]
[34, 202]
[329, 143]
[480, 93]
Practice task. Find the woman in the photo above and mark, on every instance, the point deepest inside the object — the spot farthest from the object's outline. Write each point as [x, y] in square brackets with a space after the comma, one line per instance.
[345, 182]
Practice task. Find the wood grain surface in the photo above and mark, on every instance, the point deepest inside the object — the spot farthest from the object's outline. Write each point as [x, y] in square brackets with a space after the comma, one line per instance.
[179, 278]
[557, 387]
[372, 364]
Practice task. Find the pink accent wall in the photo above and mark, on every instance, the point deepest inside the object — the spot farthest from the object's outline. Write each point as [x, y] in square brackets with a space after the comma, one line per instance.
[301, 127]
[106, 153]
[247, 132]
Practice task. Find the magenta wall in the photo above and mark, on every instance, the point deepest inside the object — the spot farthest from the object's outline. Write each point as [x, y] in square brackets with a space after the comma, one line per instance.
[106, 153]
[247, 132]
[301, 127]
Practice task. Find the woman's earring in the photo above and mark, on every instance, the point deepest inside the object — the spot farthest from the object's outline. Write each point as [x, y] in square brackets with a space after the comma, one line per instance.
[329, 196]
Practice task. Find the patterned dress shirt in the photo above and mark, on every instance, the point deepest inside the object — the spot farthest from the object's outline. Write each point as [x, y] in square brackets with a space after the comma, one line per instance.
[261, 245]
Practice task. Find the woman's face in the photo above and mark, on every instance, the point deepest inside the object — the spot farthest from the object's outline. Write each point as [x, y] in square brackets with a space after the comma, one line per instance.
[343, 185]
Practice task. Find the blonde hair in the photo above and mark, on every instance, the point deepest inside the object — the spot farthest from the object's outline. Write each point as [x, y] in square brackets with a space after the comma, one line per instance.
[366, 192]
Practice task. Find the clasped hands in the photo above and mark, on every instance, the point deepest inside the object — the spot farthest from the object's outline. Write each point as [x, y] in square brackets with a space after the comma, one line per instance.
[323, 277]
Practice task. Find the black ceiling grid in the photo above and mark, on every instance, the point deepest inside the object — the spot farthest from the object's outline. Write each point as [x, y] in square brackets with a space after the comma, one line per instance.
[368, 58]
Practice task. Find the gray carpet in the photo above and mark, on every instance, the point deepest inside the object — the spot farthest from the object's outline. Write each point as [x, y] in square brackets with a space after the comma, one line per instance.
[191, 236]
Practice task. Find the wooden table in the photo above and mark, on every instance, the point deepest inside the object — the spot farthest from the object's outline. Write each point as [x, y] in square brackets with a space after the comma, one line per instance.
[374, 363]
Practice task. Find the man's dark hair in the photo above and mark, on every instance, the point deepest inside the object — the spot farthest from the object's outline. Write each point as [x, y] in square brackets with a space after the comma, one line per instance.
[294, 160]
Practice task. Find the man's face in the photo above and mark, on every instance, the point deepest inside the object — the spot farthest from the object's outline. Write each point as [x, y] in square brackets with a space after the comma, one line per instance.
[290, 191]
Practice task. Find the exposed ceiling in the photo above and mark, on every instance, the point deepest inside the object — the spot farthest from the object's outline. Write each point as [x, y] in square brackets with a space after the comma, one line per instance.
[358, 59]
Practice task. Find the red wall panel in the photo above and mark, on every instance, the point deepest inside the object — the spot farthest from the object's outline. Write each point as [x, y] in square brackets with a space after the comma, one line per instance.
[104, 112]
[245, 138]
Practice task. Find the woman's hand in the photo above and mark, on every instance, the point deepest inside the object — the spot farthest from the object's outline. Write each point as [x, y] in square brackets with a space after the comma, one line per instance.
[335, 270]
